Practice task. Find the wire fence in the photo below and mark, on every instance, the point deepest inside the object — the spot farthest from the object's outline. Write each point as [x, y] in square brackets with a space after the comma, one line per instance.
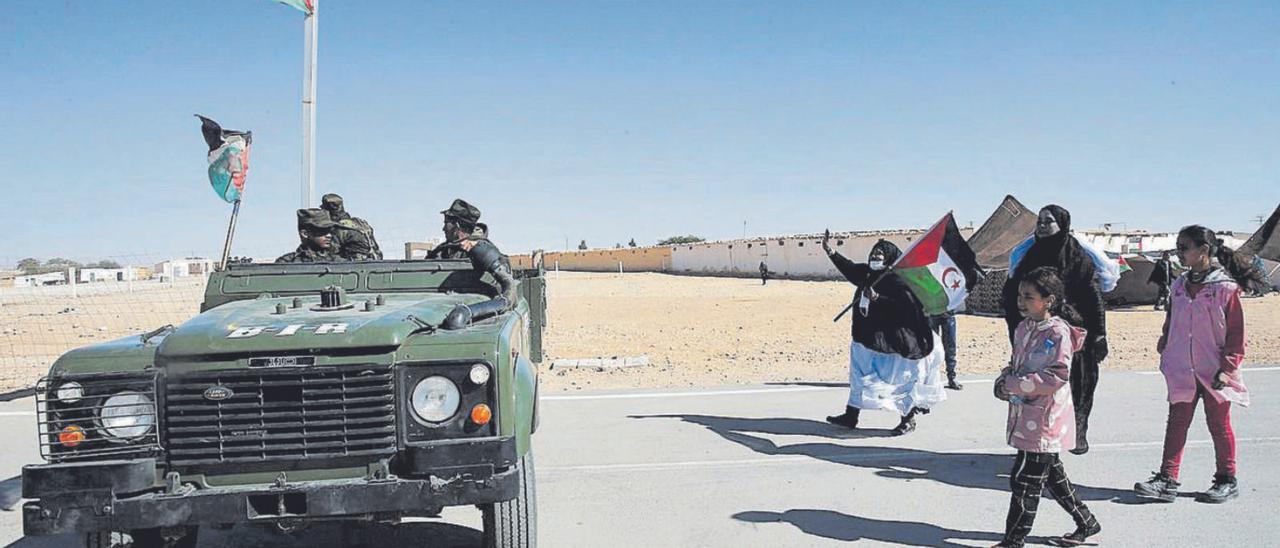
[45, 315]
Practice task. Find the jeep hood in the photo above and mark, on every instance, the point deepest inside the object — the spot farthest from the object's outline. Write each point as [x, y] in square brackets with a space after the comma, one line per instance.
[254, 326]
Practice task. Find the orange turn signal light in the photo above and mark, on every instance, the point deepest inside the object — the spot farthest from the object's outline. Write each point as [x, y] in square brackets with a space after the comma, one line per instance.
[71, 436]
[481, 414]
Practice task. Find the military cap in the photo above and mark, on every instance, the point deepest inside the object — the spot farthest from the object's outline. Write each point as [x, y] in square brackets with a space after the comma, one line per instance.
[315, 218]
[463, 211]
[331, 199]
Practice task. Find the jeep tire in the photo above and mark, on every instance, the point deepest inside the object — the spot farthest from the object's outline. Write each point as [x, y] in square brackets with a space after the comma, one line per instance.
[514, 523]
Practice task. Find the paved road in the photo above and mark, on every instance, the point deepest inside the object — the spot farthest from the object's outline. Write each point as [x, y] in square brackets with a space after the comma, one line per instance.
[755, 466]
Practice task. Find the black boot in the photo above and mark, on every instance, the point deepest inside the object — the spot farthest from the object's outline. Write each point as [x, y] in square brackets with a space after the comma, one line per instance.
[848, 420]
[907, 425]
[1082, 435]
[1079, 537]
[952, 384]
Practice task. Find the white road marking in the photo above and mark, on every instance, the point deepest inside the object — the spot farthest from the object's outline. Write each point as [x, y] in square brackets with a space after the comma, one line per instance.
[855, 456]
[1244, 369]
[726, 392]
[731, 392]
[17, 413]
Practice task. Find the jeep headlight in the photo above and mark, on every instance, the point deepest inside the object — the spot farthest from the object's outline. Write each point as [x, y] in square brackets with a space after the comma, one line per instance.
[127, 415]
[435, 399]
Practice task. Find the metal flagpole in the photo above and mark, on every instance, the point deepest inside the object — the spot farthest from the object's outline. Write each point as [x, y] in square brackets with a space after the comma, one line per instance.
[311, 26]
[231, 231]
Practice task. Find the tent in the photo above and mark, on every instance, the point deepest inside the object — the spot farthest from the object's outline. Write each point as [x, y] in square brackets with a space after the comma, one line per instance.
[1266, 241]
[1133, 287]
[1007, 226]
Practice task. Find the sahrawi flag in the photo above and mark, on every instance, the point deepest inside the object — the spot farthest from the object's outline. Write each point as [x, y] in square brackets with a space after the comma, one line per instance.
[305, 6]
[228, 158]
[940, 268]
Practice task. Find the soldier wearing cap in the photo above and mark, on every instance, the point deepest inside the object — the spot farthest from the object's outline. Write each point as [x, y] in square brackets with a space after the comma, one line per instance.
[352, 236]
[315, 229]
[462, 228]
[466, 238]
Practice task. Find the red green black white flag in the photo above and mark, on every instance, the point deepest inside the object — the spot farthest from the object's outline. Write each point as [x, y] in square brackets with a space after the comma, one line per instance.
[940, 268]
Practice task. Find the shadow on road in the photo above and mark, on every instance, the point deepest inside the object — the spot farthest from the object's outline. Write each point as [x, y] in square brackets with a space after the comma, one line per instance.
[967, 470]
[843, 527]
[10, 493]
[320, 535]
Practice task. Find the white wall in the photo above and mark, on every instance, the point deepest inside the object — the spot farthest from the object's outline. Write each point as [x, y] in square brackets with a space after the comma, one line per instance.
[788, 256]
[1120, 242]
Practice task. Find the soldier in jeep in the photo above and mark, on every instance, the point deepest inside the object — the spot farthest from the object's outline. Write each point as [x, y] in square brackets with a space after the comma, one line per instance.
[315, 230]
[353, 236]
[465, 240]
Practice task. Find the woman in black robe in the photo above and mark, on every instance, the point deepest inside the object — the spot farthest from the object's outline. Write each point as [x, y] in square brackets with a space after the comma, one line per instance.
[1055, 247]
[894, 357]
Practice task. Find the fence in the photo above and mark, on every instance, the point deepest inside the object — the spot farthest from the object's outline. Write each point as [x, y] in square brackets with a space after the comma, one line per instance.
[44, 317]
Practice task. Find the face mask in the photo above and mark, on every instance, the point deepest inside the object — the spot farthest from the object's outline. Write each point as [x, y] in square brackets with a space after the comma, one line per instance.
[876, 265]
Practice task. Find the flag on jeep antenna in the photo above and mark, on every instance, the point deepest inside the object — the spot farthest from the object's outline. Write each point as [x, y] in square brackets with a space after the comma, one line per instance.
[305, 6]
[228, 158]
[940, 268]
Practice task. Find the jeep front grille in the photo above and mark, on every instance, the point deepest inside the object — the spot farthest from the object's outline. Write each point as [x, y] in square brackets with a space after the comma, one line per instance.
[286, 414]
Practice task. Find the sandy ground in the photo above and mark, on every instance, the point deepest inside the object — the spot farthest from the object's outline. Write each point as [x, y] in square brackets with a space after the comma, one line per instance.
[695, 331]
[714, 331]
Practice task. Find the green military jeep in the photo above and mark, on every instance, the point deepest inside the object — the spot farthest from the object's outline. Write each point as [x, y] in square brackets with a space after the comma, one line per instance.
[301, 392]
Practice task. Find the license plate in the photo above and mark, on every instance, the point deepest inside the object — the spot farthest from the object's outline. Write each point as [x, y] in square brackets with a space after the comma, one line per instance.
[283, 361]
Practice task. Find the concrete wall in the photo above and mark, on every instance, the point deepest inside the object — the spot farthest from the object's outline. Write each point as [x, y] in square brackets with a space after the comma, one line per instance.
[633, 259]
[789, 256]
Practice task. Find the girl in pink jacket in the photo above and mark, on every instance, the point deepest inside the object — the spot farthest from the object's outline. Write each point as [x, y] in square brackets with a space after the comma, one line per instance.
[1041, 416]
[1200, 354]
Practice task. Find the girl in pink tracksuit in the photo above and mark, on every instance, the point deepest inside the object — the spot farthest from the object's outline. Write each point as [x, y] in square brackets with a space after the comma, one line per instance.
[1041, 415]
[1200, 354]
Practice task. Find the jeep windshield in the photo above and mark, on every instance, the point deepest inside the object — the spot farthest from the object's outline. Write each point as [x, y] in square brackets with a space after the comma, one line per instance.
[252, 281]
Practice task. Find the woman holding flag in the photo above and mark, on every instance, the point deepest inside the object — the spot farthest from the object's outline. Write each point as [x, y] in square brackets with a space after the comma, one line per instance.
[895, 359]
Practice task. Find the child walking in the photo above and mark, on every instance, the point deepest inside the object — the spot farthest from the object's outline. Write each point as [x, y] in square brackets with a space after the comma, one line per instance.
[1041, 416]
[1200, 354]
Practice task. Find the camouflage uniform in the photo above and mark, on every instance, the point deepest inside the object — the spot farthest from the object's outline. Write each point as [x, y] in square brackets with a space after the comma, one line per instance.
[352, 236]
[304, 254]
[484, 256]
[312, 220]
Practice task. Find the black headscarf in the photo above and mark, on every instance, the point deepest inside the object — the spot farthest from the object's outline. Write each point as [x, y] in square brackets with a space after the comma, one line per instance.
[891, 251]
[1062, 252]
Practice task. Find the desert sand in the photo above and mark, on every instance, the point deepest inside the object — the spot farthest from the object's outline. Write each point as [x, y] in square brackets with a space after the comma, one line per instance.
[715, 331]
[695, 331]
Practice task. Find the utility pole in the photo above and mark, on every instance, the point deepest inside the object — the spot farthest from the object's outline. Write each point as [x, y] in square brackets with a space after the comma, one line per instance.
[311, 26]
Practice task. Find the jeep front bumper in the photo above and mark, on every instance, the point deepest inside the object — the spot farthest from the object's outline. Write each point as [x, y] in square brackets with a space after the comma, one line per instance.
[120, 495]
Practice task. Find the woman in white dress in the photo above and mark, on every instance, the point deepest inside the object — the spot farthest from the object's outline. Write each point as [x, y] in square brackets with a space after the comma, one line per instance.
[894, 357]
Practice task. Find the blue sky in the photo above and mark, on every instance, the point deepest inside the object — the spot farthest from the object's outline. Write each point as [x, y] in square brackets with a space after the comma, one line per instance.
[607, 121]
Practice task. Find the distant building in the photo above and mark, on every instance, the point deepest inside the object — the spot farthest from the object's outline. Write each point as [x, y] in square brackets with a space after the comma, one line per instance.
[36, 280]
[418, 250]
[125, 274]
[182, 268]
[1143, 242]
